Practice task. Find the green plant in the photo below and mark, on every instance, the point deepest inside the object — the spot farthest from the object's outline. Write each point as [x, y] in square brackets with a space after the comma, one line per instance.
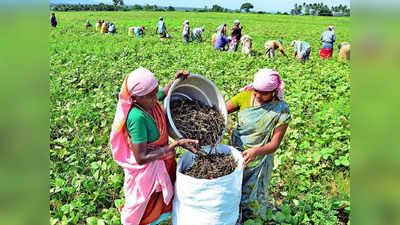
[87, 69]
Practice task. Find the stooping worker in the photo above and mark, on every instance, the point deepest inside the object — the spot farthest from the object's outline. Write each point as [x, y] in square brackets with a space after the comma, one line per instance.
[271, 46]
[88, 24]
[221, 30]
[137, 31]
[221, 43]
[161, 29]
[302, 50]
[197, 34]
[185, 31]
[131, 31]
[99, 25]
[263, 118]
[139, 144]
[104, 28]
[328, 38]
[236, 34]
[112, 29]
[344, 51]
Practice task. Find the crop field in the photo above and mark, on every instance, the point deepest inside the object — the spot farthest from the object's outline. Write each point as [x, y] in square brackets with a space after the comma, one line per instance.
[311, 178]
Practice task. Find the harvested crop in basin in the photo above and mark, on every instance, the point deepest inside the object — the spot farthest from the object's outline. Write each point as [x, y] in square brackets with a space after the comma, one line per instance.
[198, 121]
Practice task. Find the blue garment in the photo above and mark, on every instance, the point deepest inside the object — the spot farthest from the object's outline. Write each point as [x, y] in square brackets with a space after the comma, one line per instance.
[161, 27]
[163, 217]
[220, 42]
[137, 31]
[303, 46]
[53, 21]
[304, 49]
[112, 29]
[255, 129]
[328, 38]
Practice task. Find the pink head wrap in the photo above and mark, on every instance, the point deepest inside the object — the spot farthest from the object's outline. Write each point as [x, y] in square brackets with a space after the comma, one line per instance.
[141, 82]
[267, 80]
[138, 83]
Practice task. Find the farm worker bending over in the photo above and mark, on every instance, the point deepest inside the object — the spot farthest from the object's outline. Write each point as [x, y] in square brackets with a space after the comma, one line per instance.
[302, 50]
[344, 51]
[112, 29]
[263, 118]
[137, 31]
[185, 31]
[221, 42]
[139, 144]
[161, 29]
[131, 31]
[271, 46]
[99, 25]
[88, 24]
[104, 28]
[236, 34]
[53, 20]
[221, 30]
[196, 34]
[327, 38]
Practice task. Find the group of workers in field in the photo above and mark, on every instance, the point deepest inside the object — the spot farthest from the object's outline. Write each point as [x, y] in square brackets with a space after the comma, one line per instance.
[302, 49]
[195, 35]
[103, 27]
[222, 42]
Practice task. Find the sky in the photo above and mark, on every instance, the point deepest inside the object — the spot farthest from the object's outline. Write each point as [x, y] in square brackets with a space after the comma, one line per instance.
[259, 5]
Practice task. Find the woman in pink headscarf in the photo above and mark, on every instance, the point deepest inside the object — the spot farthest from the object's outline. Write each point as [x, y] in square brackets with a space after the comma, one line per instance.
[263, 118]
[139, 144]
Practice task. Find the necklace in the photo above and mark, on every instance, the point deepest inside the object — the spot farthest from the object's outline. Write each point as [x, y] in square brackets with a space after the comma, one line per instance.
[253, 101]
[144, 111]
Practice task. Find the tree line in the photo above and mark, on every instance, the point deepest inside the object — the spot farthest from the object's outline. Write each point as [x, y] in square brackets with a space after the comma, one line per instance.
[118, 5]
[88, 7]
[136, 7]
[315, 9]
[320, 9]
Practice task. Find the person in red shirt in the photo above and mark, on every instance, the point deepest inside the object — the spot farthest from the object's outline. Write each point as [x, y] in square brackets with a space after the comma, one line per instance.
[236, 34]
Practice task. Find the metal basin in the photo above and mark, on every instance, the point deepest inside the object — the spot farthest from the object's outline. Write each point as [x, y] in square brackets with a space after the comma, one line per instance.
[195, 87]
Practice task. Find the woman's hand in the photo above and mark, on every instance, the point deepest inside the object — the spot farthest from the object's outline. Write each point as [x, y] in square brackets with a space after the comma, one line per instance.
[181, 74]
[168, 152]
[188, 144]
[130, 144]
[249, 155]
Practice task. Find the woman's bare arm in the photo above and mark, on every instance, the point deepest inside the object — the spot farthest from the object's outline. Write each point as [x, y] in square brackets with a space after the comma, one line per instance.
[250, 154]
[144, 153]
[230, 107]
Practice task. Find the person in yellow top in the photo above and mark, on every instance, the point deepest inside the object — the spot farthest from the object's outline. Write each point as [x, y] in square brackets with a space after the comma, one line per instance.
[99, 24]
[271, 46]
[344, 51]
[263, 117]
[221, 30]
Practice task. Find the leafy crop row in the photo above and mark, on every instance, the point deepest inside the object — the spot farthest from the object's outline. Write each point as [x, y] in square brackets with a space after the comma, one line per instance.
[310, 183]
